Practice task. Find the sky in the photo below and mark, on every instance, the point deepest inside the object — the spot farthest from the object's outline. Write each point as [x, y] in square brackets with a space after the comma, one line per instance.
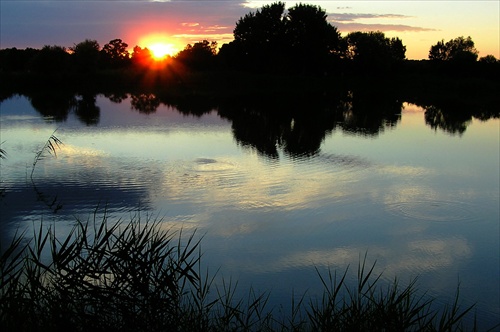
[420, 24]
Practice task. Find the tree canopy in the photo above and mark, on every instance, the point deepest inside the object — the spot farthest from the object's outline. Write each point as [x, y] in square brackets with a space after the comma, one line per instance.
[373, 50]
[298, 39]
[459, 49]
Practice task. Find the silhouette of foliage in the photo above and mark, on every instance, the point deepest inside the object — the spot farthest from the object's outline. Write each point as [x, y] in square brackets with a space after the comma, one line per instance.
[372, 51]
[55, 105]
[87, 110]
[311, 38]
[201, 55]
[459, 49]
[144, 103]
[115, 53]
[86, 56]
[50, 59]
[141, 56]
[489, 59]
[16, 60]
[270, 39]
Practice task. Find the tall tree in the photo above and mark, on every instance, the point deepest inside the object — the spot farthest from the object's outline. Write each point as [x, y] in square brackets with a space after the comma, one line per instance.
[201, 55]
[310, 36]
[141, 56]
[50, 59]
[459, 49]
[373, 51]
[259, 37]
[116, 53]
[271, 38]
[86, 56]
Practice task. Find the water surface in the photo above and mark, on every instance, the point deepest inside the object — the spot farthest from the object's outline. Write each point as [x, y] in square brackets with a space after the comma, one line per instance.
[274, 193]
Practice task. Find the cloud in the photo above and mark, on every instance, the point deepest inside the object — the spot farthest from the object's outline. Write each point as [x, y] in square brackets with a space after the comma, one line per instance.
[352, 17]
[349, 22]
[188, 24]
[350, 27]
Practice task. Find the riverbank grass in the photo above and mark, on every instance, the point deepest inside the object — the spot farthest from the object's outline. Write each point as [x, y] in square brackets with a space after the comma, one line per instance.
[136, 276]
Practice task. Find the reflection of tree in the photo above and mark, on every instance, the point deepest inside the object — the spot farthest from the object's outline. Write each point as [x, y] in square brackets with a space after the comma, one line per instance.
[368, 111]
[192, 105]
[296, 128]
[144, 103]
[87, 110]
[451, 122]
[116, 97]
[454, 115]
[56, 105]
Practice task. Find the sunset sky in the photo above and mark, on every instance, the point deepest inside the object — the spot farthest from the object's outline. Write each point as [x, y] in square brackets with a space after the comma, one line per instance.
[419, 24]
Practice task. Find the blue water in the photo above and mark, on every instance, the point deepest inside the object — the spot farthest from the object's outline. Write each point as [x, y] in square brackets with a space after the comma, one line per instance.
[420, 201]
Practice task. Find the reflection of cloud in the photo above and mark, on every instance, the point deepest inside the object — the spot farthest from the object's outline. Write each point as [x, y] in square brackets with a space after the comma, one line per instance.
[406, 170]
[220, 182]
[398, 258]
[72, 151]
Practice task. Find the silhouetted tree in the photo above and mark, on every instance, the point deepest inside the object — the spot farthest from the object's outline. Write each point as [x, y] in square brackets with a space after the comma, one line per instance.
[201, 55]
[86, 56]
[310, 37]
[270, 39]
[115, 52]
[459, 49]
[50, 59]
[141, 56]
[16, 60]
[373, 51]
[488, 59]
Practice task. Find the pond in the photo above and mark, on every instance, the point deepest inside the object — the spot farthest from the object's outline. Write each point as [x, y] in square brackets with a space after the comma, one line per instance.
[277, 189]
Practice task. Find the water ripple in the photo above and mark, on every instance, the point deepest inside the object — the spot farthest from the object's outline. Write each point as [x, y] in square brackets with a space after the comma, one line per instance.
[435, 210]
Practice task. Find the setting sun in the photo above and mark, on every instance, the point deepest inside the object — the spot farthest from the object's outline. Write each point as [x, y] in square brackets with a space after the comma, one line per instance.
[159, 45]
[161, 50]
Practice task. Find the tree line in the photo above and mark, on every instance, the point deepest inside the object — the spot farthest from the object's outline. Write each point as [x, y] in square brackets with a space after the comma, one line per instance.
[270, 40]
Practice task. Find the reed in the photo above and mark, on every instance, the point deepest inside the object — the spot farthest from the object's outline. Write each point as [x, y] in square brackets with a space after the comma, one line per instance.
[136, 276]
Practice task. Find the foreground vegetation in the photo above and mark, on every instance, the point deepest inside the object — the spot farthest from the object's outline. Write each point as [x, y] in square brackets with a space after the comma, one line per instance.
[136, 276]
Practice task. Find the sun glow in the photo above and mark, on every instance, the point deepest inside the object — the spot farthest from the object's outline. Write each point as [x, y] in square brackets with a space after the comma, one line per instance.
[159, 45]
[161, 50]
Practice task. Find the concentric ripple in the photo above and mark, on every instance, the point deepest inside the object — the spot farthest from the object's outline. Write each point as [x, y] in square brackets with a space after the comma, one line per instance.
[438, 211]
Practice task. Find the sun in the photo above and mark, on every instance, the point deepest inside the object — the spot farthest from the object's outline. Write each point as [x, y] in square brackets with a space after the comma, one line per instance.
[160, 50]
[159, 44]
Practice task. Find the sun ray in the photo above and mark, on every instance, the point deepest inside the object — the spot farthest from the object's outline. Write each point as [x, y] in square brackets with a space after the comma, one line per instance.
[161, 50]
[159, 45]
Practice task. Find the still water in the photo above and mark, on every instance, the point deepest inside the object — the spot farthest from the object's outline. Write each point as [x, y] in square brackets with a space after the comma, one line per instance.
[275, 195]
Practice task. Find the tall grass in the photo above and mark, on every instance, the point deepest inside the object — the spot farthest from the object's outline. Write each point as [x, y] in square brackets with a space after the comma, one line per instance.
[136, 276]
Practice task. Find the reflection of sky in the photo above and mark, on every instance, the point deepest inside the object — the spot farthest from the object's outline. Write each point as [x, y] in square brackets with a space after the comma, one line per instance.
[419, 201]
